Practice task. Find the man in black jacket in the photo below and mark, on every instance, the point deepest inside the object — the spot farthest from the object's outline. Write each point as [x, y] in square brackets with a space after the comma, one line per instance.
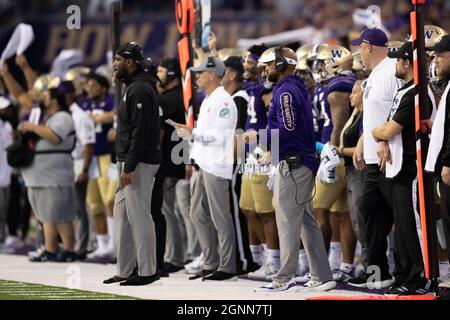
[138, 155]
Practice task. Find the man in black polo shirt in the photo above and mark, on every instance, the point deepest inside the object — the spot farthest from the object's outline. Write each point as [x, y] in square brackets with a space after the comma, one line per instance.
[401, 172]
[138, 154]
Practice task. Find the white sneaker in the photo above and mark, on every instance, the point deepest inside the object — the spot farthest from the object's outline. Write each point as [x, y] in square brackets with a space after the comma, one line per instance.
[316, 286]
[303, 279]
[100, 253]
[264, 273]
[196, 265]
[276, 286]
[13, 242]
[36, 253]
[445, 284]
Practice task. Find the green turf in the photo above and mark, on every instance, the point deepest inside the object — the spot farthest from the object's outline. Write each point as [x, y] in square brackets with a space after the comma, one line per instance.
[12, 290]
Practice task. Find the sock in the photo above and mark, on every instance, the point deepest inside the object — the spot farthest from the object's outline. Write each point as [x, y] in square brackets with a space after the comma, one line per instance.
[257, 253]
[444, 268]
[347, 267]
[273, 256]
[102, 242]
[358, 249]
[302, 258]
[110, 223]
[334, 257]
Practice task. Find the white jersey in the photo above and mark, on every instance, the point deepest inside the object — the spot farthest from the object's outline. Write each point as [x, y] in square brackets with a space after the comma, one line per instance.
[380, 90]
[84, 130]
[213, 138]
[6, 139]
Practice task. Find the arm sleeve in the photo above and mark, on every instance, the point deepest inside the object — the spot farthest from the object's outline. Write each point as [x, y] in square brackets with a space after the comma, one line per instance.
[139, 104]
[241, 106]
[446, 150]
[405, 112]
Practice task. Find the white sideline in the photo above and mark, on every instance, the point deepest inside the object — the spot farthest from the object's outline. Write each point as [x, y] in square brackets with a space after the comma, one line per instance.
[176, 287]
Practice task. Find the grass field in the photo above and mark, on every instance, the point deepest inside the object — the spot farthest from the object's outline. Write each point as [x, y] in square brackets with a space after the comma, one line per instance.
[13, 290]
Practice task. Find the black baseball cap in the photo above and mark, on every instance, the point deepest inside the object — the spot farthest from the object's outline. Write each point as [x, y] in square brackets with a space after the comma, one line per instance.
[131, 50]
[172, 65]
[405, 52]
[443, 45]
[374, 36]
[234, 63]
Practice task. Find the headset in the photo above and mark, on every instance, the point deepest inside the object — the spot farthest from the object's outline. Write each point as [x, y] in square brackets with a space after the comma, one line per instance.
[281, 63]
[210, 63]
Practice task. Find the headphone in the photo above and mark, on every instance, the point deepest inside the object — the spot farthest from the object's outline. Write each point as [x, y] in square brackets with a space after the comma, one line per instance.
[210, 63]
[281, 63]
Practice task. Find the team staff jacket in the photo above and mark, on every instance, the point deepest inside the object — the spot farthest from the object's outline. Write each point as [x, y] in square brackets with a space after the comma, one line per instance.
[213, 138]
[291, 113]
[138, 125]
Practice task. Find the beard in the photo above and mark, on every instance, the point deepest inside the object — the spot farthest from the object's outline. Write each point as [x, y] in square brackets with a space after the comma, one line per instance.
[272, 77]
[122, 74]
[443, 74]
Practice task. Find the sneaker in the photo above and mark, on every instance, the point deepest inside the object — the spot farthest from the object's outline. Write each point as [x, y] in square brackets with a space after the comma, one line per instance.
[220, 276]
[114, 279]
[35, 253]
[423, 288]
[364, 282]
[13, 242]
[139, 280]
[100, 254]
[303, 279]
[314, 285]
[196, 265]
[201, 274]
[162, 273]
[342, 277]
[263, 273]
[445, 285]
[276, 286]
[395, 291]
[67, 256]
[44, 257]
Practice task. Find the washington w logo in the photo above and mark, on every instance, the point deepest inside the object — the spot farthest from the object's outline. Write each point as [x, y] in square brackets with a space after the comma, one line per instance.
[429, 34]
[336, 53]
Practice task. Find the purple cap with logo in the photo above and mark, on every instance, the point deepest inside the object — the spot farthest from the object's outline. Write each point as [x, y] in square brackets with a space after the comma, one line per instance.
[375, 37]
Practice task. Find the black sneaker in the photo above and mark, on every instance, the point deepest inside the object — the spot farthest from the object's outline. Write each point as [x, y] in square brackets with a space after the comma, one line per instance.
[220, 276]
[140, 280]
[396, 291]
[67, 256]
[201, 274]
[114, 279]
[359, 282]
[422, 288]
[170, 268]
[45, 256]
[162, 273]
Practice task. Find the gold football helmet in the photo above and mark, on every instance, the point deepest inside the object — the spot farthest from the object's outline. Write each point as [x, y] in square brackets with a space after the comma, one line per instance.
[77, 76]
[44, 82]
[225, 53]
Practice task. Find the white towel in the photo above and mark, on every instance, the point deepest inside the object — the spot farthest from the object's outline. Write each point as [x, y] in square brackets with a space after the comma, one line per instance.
[396, 148]
[329, 156]
[437, 133]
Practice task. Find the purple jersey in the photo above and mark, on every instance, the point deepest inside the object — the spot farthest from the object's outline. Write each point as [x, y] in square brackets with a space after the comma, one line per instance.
[340, 83]
[316, 103]
[256, 111]
[98, 107]
[291, 113]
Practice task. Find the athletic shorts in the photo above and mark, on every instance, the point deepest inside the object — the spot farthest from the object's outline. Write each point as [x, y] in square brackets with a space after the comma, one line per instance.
[332, 196]
[101, 191]
[255, 196]
[53, 204]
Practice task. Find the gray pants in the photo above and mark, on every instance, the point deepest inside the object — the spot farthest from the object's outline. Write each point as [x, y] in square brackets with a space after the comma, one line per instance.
[211, 215]
[293, 212]
[81, 224]
[183, 206]
[355, 187]
[4, 205]
[135, 230]
[176, 232]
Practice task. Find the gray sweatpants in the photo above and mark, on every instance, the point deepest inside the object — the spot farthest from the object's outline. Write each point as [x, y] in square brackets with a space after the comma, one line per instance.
[183, 206]
[4, 204]
[355, 187]
[135, 230]
[293, 212]
[176, 232]
[211, 216]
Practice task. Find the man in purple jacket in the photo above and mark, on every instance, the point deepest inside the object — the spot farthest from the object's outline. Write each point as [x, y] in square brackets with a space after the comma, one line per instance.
[291, 114]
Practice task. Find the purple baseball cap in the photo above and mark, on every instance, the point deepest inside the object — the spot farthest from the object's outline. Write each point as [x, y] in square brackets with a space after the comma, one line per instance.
[375, 37]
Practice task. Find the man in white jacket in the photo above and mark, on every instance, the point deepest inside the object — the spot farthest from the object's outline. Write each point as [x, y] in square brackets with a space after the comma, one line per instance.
[212, 152]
